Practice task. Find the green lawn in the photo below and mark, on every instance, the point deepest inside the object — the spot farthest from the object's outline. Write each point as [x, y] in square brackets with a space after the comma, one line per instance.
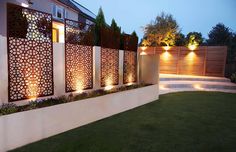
[188, 121]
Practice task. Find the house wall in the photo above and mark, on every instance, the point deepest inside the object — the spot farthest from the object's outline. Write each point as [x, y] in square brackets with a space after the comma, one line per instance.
[40, 5]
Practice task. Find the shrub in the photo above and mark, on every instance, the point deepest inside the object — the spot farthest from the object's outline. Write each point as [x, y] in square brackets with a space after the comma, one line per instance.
[233, 78]
[8, 108]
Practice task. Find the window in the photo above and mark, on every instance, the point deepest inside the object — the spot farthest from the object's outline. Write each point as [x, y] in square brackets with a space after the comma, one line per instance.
[58, 12]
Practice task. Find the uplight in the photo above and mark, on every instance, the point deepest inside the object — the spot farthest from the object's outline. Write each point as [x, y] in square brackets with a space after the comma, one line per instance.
[24, 5]
[109, 87]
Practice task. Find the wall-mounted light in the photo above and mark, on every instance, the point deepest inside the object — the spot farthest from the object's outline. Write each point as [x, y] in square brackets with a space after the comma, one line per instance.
[143, 48]
[166, 48]
[192, 47]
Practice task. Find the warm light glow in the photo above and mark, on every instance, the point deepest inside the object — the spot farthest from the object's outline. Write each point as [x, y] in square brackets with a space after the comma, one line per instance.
[108, 87]
[165, 56]
[191, 56]
[61, 29]
[163, 87]
[143, 53]
[198, 87]
[192, 47]
[79, 87]
[143, 48]
[24, 5]
[32, 89]
[166, 48]
[109, 83]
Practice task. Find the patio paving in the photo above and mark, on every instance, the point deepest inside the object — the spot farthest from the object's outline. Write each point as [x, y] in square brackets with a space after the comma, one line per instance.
[178, 83]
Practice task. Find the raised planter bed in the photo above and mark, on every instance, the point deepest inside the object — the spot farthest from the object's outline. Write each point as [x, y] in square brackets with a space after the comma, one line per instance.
[22, 128]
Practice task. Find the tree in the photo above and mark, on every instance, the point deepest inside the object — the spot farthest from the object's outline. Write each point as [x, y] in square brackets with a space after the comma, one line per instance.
[180, 39]
[220, 35]
[100, 23]
[115, 27]
[194, 38]
[161, 32]
[134, 34]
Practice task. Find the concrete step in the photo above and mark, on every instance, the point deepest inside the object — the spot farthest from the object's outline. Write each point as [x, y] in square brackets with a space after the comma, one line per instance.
[171, 77]
[198, 84]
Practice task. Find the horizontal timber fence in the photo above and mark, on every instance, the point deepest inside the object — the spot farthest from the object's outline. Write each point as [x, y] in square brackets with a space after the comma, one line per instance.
[203, 61]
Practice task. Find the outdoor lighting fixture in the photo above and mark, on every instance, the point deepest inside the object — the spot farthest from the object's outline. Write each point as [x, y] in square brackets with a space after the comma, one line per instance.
[166, 48]
[79, 87]
[143, 53]
[143, 48]
[198, 87]
[163, 87]
[109, 85]
[192, 47]
[24, 5]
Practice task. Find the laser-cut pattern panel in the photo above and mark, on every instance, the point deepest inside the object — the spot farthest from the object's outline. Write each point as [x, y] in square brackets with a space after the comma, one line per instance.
[30, 53]
[78, 56]
[109, 67]
[130, 67]
[79, 69]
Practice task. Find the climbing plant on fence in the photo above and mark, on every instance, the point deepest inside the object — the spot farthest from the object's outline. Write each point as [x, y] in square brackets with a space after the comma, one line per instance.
[130, 59]
[30, 53]
[79, 41]
[110, 43]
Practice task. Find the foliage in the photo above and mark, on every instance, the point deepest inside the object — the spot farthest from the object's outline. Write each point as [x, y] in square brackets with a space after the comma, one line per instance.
[194, 38]
[17, 22]
[186, 121]
[180, 39]
[100, 23]
[161, 32]
[220, 35]
[115, 27]
[12, 108]
[233, 78]
[45, 27]
[8, 108]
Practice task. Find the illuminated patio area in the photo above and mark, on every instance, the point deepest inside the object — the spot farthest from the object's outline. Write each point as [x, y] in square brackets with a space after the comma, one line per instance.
[178, 83]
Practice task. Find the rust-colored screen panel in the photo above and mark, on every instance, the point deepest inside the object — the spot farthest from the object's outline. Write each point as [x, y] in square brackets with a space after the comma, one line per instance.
[78, 56]
[130, 67]
[30, 53]
[109, 67]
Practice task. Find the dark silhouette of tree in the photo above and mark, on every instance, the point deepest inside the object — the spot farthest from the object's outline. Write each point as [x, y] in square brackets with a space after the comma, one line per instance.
[219, 35]
[100, 23]
[180, 39]
[114, 26]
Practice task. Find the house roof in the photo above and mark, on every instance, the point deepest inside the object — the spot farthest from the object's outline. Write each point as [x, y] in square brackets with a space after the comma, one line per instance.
[78, 7]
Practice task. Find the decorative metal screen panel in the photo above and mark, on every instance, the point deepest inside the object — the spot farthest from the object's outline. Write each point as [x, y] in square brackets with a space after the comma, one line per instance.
[109, 67]
[30, 53]
[78, 56]
[130, 58]
[130, 67]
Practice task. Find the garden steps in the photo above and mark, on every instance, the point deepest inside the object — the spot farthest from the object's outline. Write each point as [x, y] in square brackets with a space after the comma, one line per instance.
[178, 83]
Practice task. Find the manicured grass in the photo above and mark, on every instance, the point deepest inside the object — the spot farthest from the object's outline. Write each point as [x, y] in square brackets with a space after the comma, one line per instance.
[188, 121]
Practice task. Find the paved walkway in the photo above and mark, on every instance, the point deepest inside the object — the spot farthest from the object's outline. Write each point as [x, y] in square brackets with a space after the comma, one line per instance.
[178, 83]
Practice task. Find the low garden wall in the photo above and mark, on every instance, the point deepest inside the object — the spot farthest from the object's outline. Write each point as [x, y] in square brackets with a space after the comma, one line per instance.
[26, 127]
